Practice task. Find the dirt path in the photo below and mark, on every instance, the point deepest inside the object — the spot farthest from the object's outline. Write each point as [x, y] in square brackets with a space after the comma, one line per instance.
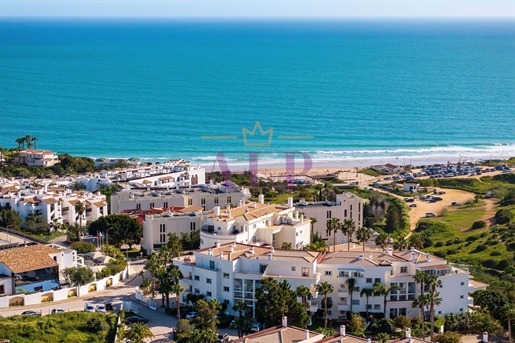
[489, 212]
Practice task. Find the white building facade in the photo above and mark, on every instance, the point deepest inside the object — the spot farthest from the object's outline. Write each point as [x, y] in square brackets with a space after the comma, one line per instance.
[37, 158]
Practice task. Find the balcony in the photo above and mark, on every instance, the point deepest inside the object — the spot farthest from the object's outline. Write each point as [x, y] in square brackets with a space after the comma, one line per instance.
[343, 306]
[343, 292]
[313, 306]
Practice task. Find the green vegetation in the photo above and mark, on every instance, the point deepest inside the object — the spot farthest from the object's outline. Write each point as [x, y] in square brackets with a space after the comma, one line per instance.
[371, 172]
[498, 184]
[76, 327]
[83, 247]
[125, 229]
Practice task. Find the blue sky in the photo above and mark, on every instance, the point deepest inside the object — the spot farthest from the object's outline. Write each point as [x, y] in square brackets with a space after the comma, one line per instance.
[258, 8]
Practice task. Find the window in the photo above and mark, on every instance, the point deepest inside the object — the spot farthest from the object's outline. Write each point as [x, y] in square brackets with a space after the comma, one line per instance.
[343, 273]
[226, 275]
[377, 307]
[138, 206]
[192, 226]
[293, 268]
[369, 306]
[404, 270]
[226, 288]
[328, 214]
[355, 301]
[208, 281]
[229, 200]
[461, 310]
[377, 280]
[211, 264]
[262, 268]
[345, 213]
[165, 204]
[226, 301]
[203, 201]
[151, 205]
[208, 293]
[356, 289]
[357, 274]
[216, 200]
[305, 271]
[369, 280]
[2, 289]
[197, 291]
[162, 227]
[162, 238]
[463, 283]
[190, 202]
[196, 277]
[328, 273]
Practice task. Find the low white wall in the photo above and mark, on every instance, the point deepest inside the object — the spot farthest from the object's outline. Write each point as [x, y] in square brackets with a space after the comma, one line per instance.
[62, 294]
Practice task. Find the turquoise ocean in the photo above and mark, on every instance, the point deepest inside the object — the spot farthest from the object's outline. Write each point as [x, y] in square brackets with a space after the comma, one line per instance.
[357, 91]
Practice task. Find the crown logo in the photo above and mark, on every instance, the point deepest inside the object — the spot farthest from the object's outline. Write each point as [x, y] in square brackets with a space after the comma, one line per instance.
[257, 141]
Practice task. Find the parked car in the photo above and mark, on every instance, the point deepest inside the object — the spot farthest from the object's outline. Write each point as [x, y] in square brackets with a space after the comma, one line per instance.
[135, 319]
[88, 307]
[256, 327]
[192, 315]
[56, 310]
[456, 203]
[413, 205]
[101, 308]
[223, 338]
[430, 214]
[31, 313]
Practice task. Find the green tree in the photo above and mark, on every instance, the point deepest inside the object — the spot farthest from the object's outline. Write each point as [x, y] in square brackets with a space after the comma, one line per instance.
[393, 219]
[448, 337]
[380, 289]
[208, 310]
[83, 247]
[78, 186]
[78, 276]
[325, 288]
[313, 221]
[80, 209]
[242, 308]
[177, 289]
[107, 190]
[203, 335]
[363, 235]
[333, 225]
[482, 322]
[348, 227]
[383, 337]
[508, 313]
[34, 140]
[125, 229]
[382, 240]
[33, 222]
[356, 325]
[490, 299]
[416, 240]
[433, 297]
[138, 332]
[317, 244]
[400, 244]
[304, 294]
[421, 302]
[367, 292]
[9, 218]
[350, 283]
[153, 266]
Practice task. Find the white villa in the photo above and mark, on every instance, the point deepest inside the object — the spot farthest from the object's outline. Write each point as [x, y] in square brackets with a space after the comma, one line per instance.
[41, 158]
[347, 206]
[256, 223]
[232, 271]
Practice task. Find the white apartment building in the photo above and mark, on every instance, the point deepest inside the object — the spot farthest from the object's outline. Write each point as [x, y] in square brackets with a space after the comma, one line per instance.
[233, 271]
[390, 268]
[256, 223]
[347, 206]
[55, 203]
[207, 197]
[156, 227]
[37, 158]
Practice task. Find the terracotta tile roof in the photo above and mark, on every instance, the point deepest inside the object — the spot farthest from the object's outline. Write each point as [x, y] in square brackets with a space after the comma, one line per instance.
[32, 257]
[249, 212]
[352, 257]
[49, 200]
[192, 208]
[279, 334]
[344, 339]
[260, 252]
[99, 203]
[32, 200]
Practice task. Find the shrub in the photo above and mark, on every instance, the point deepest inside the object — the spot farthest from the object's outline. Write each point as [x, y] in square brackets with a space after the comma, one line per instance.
[402, 322]
[483, 235]
[452, 252]
[503, 216]
[503, 264]
[448, 337]
[480, 247]
[439, 244]
[489, 263]
[479, 224]
[428, 242]
[440, 254]
[495, 253]
[385, 325]
[472, 238]
[83, 247]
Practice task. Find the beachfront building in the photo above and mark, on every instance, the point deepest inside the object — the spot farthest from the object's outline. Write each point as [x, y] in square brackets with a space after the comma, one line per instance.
[34, 268]
[347, 206]
[256, 223]
[37, 158]
[157, 224]
[207, 197]
[233, 271]
[55, 203]
[411, 187]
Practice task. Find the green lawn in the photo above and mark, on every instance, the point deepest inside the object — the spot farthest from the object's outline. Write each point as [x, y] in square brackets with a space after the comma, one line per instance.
[463, 216]
[69, 327]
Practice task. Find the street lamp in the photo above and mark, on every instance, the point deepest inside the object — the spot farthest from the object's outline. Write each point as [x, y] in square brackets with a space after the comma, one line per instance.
[7, 239]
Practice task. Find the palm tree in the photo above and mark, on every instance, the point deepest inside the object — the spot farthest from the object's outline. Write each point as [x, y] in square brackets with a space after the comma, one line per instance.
[27, 140]
[333, 225]
[21, 143]
[363, 235]
[304, 294]
[241, 307]
[77, 186]
[153, 266]
[400, 244]
[177, 289]
[421, 302]
[433, 297]
[508, 313]
[367, 292]
[317, 246]
[380, 289]
[348, 227]
[382, 240]
[34, 140]
[138, 332]
[313, 221]
[325, 288]
[174, 245]
[416, 241]
[80, 208]
[350, 287]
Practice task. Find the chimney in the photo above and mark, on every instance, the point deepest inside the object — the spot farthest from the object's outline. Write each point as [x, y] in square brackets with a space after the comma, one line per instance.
[218, 244]
[251, 250]
[306, 336]
[342, 330]
[408, 333]
[272, 249]
[261, 199]
[371, 255]
[369, 340]
[221, 255]
[296, 215]
[210, 252]
[428, 256]
[232, 248]
[228, 211]
[290, 202]
[255, 204]
[284, 322]
[216, 209]
[390, 251]
[412, 256]
[485, 337]
[234, 245]
[270, 256]
[412, 249]
[360, 257]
